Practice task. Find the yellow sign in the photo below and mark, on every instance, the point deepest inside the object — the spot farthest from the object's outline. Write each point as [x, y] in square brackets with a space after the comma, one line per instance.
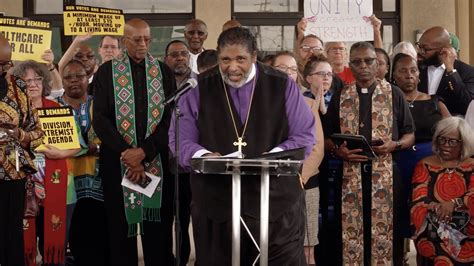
[81, 20]
[28, 38]
[59, 126]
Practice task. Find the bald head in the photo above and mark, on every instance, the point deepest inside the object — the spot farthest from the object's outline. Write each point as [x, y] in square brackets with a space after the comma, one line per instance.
[5, 49]
[437, 36]
[137, 39]
[231, 23]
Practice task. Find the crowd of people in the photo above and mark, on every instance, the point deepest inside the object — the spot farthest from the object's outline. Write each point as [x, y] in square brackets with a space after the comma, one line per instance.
[347, 207]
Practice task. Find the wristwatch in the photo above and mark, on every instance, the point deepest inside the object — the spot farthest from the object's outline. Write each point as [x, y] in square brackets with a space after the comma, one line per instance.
[399, 145]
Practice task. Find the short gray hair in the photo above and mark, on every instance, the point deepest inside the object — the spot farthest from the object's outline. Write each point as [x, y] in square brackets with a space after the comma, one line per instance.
[40, 69]
[451, 124]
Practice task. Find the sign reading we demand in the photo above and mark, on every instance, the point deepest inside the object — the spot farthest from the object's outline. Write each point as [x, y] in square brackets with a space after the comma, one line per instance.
[81, 20]
[28, 38]
[59, 126]
[339, 20]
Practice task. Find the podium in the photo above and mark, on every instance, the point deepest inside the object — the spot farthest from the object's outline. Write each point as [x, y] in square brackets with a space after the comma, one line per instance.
[237, 167]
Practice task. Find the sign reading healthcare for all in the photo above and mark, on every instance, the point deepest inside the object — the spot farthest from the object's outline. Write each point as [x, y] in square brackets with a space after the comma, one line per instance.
[28, 38]
[59, 126]
[339, 20]
[81, 20]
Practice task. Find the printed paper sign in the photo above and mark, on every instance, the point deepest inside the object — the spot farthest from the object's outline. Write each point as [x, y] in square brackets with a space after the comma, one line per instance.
[28, 38]
[81, 20]
[59, 126]
[339, 20]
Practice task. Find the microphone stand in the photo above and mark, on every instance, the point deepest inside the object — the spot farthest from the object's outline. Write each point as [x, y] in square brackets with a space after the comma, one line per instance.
[177, 228]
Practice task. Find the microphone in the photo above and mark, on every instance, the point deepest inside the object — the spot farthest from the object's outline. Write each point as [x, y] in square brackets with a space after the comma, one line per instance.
[189, 84]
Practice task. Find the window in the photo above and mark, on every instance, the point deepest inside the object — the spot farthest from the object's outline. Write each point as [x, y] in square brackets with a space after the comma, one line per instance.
[266, 6]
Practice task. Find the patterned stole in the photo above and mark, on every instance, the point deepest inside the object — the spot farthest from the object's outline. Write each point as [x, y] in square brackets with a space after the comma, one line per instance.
[382, 181]
[139, 207]
[54, 221]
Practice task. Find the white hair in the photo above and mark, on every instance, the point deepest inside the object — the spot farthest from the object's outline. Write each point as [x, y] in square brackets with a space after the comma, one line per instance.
[451, 124]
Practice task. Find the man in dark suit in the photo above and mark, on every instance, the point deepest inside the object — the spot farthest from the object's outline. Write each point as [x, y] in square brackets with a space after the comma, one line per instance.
[441, 73]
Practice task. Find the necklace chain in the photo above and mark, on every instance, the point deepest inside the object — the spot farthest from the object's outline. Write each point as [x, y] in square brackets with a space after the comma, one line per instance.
[240, 138]
[411, 104]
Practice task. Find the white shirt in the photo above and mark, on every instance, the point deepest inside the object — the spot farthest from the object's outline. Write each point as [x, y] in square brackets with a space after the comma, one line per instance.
[193, 61]
[434, 78]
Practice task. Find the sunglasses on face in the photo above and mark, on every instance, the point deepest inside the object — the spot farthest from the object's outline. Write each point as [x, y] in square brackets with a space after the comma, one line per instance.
[368, 61]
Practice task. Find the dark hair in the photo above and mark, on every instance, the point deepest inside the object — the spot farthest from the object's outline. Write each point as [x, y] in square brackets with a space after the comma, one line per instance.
[396, 60]
[312, 36]
[281, 53]
[40, 69]
[207, 59]
[72, 62]
[312, 63]
[111, 36]
[173, 42]
[387, 61]
[362, 45]
[238, 35]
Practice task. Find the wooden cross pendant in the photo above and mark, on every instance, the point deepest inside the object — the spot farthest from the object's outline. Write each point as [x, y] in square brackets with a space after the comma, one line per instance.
[239, 143]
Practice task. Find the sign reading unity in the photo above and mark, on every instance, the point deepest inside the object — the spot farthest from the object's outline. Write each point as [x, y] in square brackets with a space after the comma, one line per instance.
[81, 20]
[28, 38]
[59, 126]
[339, 20]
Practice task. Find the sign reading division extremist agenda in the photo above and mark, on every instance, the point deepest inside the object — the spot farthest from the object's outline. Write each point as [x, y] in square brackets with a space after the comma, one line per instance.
[28, 38]
[59, 126]
[339, 20]
[81, 20]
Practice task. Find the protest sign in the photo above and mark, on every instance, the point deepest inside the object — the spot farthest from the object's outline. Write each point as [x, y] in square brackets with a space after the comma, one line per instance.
[81, 20]
[339, 20]
[59, 126]
[28, 38]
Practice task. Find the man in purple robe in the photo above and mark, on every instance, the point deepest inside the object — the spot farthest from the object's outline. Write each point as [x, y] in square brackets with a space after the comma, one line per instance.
[238, 101]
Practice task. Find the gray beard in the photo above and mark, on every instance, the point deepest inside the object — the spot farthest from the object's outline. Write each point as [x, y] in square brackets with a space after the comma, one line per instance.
[236, 84]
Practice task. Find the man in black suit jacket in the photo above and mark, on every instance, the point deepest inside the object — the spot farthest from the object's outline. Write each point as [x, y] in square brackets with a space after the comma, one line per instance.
[441, 73]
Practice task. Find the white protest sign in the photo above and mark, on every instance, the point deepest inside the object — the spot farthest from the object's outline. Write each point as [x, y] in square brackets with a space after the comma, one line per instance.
[339, 20]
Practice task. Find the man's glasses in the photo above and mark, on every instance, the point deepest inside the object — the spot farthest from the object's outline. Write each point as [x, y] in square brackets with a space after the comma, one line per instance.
[198, 32]
[178, 54]
[322, 74]
[314, 49]
[287, 69]
[37, 81]
[423, 50]
[368, 61]
[74, 77]
[448, 142]
[138, 40]
[5, 66]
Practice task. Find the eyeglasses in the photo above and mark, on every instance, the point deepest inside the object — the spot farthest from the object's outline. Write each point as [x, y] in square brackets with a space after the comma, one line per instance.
[314, 49]
[80, 56]
[448, 142]
[37, 81]
[111, 47]
[422, 48]
[138, 40]
[287, 69]
[322, 74]
[368, 61]
[198, 32]
[337, 49]
[178, 54]
[73, 77]
[5, 66]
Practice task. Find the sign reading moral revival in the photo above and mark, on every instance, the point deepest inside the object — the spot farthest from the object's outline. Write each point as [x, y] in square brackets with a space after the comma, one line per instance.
[59, 126]
[28, 38]
[339, 20]
[81, 20]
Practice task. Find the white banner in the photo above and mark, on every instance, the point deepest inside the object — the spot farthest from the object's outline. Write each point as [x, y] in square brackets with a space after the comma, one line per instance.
[339, 20]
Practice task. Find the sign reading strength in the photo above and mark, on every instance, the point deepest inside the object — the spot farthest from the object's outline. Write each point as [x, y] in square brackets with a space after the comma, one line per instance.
[59, 126]
[28, 38]
[339, 20]
[81, 20]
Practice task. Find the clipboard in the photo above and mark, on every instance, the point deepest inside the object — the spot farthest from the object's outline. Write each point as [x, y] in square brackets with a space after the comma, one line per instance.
[355, 142]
